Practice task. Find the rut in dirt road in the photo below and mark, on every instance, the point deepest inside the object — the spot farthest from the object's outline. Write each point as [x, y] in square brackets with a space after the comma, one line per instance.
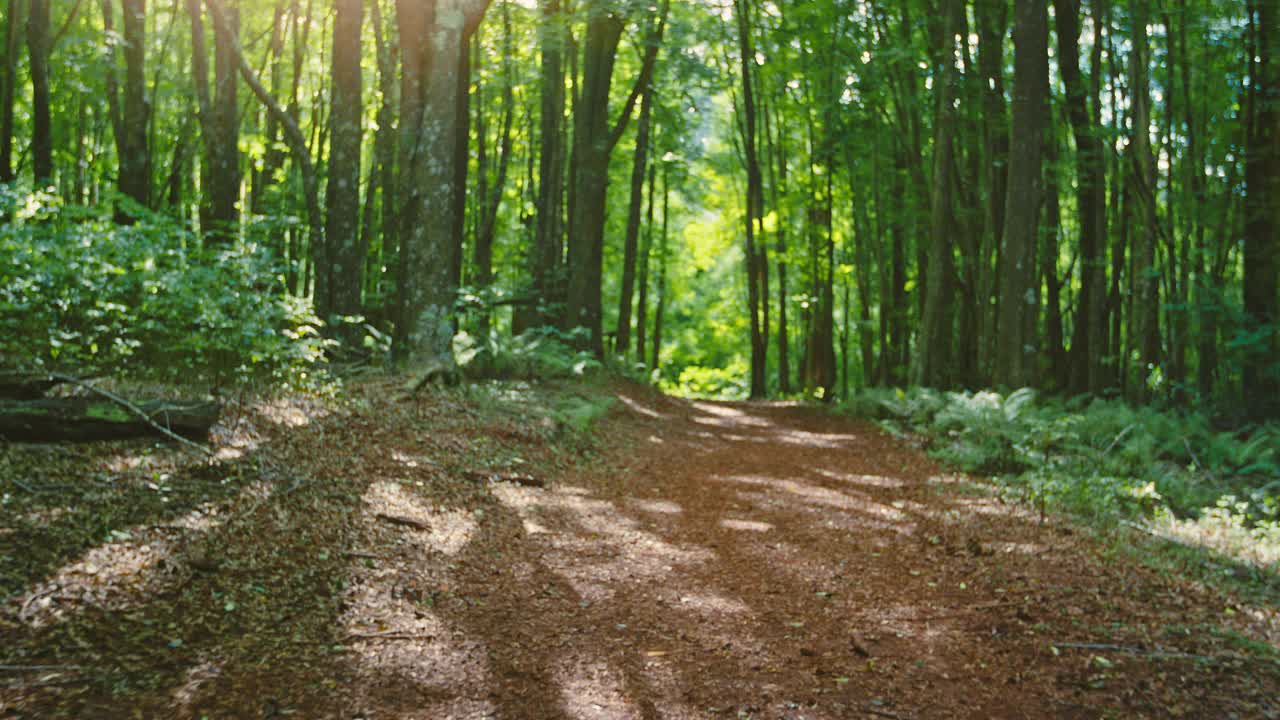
[772, 561]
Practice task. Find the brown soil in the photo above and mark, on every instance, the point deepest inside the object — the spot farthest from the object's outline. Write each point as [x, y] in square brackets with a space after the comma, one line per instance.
[708, 560]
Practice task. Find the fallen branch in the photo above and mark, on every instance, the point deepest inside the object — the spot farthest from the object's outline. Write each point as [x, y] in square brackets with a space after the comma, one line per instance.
[521, 479]
[402, 520]
[134, 409]
[389, 635]
[1103, 647]
[38, 668]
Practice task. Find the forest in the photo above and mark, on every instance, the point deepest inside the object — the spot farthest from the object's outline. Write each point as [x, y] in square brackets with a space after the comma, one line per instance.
[436, 271]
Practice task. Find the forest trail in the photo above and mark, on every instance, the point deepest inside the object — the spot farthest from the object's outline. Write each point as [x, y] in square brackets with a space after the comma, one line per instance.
[774, 561]
[706, 560]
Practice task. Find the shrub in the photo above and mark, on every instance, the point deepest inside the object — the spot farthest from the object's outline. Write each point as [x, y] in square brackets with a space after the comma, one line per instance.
[81, 294]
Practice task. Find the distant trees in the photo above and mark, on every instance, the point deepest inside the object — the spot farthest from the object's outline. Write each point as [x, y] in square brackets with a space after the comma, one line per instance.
[819, 195]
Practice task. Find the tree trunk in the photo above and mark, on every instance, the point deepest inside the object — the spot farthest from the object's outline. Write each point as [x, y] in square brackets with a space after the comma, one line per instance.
[633, 220]
[1145, 281]
[429, 174]
[14, 19]
[545, 256]
[933, 364]
[1015, 357]
[593, 142]
[642, 303]
[662, 274]
[1262, 217]
[41, 121]
[345, 271]
[755, 199]
[1089, 338]
[491, 199]
[84, 420]
[134, 179]
[992, 19]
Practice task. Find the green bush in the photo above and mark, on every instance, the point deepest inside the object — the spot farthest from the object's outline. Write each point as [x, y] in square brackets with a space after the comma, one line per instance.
[81, 294]
[538, 353]
[1098, 458]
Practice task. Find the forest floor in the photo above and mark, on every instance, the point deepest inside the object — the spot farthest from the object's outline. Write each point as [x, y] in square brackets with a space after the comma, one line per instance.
[470, 554]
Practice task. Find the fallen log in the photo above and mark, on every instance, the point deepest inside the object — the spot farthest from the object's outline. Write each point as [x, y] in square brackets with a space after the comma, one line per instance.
[26, 386]
[89, 419]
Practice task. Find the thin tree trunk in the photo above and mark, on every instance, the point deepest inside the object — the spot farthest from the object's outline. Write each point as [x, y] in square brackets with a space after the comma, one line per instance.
[633, 219]
[1262, 216]
[344, 271]
[1089, 338]
[41, 120]
[933, 363]
[492, 199]
[1146, 282]
[1015, 357]
[755, 198]
[14, 20]
[642, 304]
[662, 273]
[545, 256]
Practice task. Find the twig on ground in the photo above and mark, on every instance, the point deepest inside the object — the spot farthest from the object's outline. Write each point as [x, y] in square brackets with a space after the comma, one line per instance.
[1103, 647]
[38, 668]
[389, 635]
[142, 415]
[402, 520]
[22, 612]
[882, 713]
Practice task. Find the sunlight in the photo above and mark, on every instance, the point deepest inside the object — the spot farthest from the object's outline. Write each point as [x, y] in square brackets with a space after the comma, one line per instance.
[594, 691]
[637, 407]
[123, 573]
[449, 530]
[748, 525]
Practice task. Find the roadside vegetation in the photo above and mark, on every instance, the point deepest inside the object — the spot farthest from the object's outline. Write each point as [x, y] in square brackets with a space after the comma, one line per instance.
[1172, 474]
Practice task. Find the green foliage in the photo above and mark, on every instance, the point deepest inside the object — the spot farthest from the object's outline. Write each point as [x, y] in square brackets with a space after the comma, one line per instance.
[711, 382]
[1103, 459]
[538, 353]
[81, 294]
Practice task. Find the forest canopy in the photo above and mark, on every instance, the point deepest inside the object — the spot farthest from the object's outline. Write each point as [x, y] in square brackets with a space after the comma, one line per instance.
[734, 198]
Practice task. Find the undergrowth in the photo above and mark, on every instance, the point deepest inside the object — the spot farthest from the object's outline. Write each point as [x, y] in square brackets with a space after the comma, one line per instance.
[1104, 460]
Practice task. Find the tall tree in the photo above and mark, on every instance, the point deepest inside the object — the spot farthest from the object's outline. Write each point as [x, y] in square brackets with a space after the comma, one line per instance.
[932, 364]
[14, 19]
[339, 292]
[1262, 215]
[1091, 203]
[219, 123]
[545, 257]
[429, 172]
[1146, 314]
[755, 197]
[594, 138]
[1019, 304]
[638, 167]
[38, 48]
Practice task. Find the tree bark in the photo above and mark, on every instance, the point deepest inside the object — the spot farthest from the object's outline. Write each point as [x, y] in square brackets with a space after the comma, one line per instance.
[1262, 217]
[339, 293]
[755, 199]
[932, 366]
[545, 259]
[1145, 281]
[41, 121]
[83, 420]
[429, 174]
[1089, 337]
[134, 179]
[1017, 346]
[14, 19]
[638, 167]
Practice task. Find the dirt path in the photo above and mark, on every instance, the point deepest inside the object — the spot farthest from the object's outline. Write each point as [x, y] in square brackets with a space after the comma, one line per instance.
[709, 560]
[775, 562]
